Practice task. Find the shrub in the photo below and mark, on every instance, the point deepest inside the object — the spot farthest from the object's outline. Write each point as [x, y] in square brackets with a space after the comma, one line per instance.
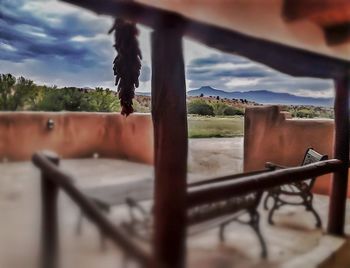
[219, 108]
[232, 111]
[58, 99]
[200, 107]
[101, 100]
[304, 113]
[141, 106]
[75, 99]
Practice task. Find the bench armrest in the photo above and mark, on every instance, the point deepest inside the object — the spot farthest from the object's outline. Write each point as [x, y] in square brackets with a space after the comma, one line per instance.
[225, 178]
[273, 166]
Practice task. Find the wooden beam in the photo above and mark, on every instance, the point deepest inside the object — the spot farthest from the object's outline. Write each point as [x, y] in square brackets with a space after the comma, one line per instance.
[170, 136]
[289, 60]
[339, 185]
[49, 221]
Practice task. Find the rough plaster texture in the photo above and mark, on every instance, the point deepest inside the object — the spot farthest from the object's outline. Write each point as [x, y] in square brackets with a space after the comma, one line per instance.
[270, 136]
[76, 135]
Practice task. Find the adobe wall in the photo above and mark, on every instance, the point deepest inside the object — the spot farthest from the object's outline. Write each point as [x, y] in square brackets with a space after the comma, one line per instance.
[76, 135]
[270, 135]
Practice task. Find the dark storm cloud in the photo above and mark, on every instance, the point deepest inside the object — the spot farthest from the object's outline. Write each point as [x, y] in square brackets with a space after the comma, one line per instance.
[31, 36]
[247, 71]
[55, 43]
[216, 59]
[233, 73]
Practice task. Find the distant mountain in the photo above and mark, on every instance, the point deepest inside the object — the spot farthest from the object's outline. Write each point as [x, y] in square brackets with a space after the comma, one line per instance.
[262, 96]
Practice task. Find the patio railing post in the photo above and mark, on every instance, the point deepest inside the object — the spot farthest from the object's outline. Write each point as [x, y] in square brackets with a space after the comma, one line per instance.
[170, 136]
[336, 215]
[49, 225]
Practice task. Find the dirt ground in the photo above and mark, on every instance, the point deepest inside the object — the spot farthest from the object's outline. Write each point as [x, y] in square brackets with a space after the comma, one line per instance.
[215, 156]
[293, 236]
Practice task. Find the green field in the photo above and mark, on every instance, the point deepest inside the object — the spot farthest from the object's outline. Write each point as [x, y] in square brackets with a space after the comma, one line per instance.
[209, 127]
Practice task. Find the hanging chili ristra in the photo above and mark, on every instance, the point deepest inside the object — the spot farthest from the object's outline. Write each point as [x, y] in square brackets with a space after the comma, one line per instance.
[127, 63]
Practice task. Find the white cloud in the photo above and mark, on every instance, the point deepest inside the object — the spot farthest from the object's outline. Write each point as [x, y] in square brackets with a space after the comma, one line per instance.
[242, 82]
[7, 47]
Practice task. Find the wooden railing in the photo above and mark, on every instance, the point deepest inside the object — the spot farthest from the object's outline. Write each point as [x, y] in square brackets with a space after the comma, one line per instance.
[54, 179]
[212, 190]
[226, 187]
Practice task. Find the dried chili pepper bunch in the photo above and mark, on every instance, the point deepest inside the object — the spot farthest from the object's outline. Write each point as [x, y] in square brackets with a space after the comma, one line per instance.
[127, 63]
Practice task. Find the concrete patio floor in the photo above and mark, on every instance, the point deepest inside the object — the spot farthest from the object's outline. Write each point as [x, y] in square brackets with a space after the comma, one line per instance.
[292, 242]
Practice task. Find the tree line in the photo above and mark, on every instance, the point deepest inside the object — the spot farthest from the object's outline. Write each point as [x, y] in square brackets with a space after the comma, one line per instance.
[21, 94]
[212, 108]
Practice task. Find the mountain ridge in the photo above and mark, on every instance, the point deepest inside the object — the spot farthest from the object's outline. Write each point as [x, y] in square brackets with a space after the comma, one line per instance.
[262, 96]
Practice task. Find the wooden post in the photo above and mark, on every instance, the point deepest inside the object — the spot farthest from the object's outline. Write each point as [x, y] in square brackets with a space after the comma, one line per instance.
[336, 215]
[170, 136]
[49, 226]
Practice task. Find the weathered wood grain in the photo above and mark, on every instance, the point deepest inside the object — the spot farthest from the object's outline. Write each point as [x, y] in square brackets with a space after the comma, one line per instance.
[171, 144]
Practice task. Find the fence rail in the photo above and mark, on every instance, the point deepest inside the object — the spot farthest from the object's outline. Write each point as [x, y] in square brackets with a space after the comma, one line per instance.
[227, 188]
[54, 178]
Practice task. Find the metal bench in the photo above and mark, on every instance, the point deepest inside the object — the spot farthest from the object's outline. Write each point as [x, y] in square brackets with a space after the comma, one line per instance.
[301, 191]
[201, 218]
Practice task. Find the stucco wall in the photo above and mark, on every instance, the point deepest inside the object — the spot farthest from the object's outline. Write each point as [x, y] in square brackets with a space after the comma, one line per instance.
[76, 135]
[270, 136]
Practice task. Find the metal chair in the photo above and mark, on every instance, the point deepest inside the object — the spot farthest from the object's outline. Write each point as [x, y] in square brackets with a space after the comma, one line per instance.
[303, 190]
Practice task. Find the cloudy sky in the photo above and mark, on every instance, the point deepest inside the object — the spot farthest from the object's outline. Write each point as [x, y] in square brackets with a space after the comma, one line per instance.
[54, 43]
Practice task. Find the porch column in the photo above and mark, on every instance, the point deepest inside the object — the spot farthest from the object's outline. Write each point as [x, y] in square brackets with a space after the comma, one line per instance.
[336, 215]
[170, 137]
